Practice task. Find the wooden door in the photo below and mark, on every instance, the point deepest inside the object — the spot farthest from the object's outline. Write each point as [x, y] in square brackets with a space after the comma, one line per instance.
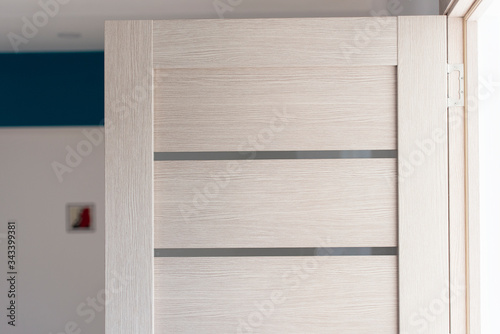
[277, 176]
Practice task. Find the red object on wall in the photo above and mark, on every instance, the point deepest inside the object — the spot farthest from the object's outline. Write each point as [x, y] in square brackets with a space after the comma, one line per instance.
[83, 220]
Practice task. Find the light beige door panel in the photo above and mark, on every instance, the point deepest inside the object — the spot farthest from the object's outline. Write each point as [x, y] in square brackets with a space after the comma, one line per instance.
[276, 295]
[306, 108]
[276, 203]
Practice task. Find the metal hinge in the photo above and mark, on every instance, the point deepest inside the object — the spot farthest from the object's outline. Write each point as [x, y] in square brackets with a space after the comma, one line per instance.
[453, 101]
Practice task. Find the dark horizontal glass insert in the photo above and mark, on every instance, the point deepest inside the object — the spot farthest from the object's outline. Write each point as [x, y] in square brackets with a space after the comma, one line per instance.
[239, 252]
[352, 154]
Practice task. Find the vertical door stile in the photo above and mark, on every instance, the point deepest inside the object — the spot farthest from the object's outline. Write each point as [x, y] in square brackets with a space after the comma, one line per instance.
[423, 175]
[129, 177]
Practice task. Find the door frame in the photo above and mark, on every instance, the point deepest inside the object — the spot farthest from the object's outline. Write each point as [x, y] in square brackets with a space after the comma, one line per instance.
[463, 16]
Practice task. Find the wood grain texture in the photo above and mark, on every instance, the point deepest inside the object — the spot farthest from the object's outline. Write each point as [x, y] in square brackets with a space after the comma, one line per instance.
[276, 295]
[423, 177]
[331, 108]
[456, 170]
[472, 191]
[275, 203]
[129, 177]
[275, 42]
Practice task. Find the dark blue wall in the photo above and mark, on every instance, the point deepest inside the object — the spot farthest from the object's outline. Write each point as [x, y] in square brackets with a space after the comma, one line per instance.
[52, 89]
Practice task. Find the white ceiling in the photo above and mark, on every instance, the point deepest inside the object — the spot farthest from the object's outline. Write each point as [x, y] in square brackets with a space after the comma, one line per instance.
[78, 25]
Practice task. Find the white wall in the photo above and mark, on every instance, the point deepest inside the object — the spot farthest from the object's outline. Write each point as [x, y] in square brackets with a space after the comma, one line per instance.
[57, 270]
